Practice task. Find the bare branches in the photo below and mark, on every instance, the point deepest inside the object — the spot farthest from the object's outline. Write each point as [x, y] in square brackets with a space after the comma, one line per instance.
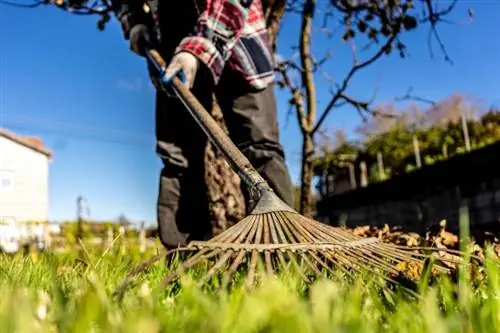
[363, 108]
[340, 93]
[408, 96]
[296, 101]
[433, 18]
[75, 7]
[383, 23]
[100, 8]
[377, 20]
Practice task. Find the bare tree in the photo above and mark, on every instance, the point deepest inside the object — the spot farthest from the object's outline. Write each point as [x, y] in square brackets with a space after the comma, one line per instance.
[383, 24]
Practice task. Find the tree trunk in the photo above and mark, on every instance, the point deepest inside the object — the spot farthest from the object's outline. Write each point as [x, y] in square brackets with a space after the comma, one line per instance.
[307, 175]
[227, 205]
[274, 14]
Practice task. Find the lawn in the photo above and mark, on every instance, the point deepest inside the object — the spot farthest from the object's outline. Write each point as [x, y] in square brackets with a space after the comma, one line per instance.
[57, 293]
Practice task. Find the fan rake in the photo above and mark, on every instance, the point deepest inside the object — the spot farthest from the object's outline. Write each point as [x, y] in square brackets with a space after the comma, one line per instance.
[274, 236]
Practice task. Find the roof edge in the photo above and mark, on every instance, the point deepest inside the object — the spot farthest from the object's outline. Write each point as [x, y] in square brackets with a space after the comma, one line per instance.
[23, 141]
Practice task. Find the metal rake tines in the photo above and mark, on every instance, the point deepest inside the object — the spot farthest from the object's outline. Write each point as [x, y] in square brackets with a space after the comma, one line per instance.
[285, 246]
[289, 242]
[281, 238]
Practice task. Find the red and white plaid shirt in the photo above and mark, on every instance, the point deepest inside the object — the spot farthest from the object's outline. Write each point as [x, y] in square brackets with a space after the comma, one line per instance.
[228, 32]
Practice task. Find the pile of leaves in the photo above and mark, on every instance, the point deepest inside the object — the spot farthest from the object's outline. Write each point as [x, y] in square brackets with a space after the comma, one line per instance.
[435, 236]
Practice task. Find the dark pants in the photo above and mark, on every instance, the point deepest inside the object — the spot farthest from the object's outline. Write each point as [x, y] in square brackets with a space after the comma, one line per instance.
[182, 208]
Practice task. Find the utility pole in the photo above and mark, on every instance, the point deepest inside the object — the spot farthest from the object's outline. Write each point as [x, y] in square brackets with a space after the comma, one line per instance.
[465, 130]
[79, 216]
[142, 238]
[380, 164]
[81, 204]
[352, 176]
[416, 150]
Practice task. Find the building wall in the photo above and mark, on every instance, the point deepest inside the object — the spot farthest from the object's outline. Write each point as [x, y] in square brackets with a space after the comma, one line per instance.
[28, 171]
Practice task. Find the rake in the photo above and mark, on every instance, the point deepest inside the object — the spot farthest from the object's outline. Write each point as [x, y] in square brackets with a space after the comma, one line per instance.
[275, 237]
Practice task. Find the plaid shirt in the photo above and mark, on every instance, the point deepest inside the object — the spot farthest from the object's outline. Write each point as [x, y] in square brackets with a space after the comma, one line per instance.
[228, 32]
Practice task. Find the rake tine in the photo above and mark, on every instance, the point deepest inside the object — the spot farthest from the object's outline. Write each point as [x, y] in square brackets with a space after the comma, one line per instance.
[338, 265]
[292, 258]
[309, 233]
[368, 253]
[248, 240]
[230, 236]
[232, 269]
[365, 263]
[276, 233]
[364, 259]
[267, 240]
[322, 263]
[404, 256]
[306, 233]
[188, 264]
[253, 266]
[275, 239]
[255, 255]
[120, 290]
[387, 278]
[253, 225]
[298, 236]
[310, 264]
[435, 249]
[215, 268]
[236, 232]
[260, 228]
[375, 261]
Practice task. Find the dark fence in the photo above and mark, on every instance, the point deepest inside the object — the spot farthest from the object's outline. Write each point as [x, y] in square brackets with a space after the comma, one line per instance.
[426, 196]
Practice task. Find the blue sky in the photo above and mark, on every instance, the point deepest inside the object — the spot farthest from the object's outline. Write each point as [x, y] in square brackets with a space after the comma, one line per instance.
[88, 97]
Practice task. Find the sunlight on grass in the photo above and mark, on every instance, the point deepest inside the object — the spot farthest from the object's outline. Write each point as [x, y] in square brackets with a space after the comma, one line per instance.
[57, 293]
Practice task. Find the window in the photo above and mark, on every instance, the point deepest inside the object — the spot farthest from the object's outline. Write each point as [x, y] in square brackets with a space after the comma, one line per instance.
[6, 180]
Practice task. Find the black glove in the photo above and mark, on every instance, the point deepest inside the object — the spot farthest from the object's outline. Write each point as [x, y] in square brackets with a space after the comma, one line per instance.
[140, 38]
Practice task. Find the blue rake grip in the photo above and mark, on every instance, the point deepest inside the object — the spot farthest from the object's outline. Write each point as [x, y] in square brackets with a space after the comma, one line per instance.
[161, 70]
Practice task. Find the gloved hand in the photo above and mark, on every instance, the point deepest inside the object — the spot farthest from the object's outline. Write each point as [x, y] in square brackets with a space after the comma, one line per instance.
[185, 65]
[140, 39]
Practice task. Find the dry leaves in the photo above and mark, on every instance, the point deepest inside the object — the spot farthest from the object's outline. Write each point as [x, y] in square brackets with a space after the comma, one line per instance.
[435, 236]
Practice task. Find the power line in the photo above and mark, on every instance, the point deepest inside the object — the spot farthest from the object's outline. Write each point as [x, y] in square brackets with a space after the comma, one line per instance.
[80, 127]
[80, 132]
[92, 133]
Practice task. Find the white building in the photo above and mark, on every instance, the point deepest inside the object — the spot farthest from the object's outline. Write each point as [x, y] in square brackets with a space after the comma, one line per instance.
[24, 178]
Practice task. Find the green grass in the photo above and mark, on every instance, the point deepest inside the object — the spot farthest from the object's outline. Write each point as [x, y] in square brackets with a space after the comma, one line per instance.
[55, 293]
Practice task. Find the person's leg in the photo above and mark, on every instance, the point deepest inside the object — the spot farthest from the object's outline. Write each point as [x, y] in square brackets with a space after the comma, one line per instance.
[182, 205]
[252, 123]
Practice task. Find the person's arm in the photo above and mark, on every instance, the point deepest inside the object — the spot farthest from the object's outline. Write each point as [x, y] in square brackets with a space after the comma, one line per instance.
[217, 31]
[129, 13]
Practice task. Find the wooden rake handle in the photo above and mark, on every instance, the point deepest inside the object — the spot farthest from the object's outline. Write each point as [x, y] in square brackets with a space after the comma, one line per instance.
[239, 163]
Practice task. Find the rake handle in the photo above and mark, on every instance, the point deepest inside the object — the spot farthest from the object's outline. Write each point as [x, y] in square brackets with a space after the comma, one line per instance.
[239, 163]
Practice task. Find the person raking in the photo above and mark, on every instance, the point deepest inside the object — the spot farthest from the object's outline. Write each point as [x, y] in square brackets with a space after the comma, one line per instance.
[221, 47]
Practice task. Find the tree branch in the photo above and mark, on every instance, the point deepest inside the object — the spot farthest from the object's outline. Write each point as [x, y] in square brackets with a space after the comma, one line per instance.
[96, 7]
[409, 97]
[307, 64]
[297, 98]
[433, 18]
[341, 90]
